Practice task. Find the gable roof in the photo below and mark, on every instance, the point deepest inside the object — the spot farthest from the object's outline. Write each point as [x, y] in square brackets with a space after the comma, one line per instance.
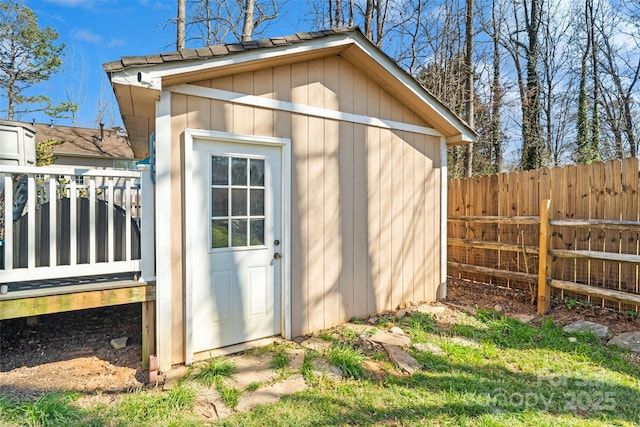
[138, 80]
[85, 142]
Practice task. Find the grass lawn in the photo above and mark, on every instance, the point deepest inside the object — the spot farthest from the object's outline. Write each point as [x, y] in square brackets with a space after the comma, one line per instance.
[492, 371]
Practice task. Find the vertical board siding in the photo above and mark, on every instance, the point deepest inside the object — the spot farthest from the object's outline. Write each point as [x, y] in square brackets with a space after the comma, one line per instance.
[602, 190]
[365, 201]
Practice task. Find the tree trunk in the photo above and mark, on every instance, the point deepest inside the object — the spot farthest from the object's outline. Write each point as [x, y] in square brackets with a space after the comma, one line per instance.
[468, 62]
[181, 23]
[496, 94]
[247, 27]
[368, 20]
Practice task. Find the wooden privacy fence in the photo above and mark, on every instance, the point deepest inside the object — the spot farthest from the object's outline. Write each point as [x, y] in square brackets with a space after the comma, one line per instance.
[494, 229]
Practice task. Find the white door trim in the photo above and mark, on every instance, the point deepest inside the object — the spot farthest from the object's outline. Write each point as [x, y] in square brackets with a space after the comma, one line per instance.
[285, 286]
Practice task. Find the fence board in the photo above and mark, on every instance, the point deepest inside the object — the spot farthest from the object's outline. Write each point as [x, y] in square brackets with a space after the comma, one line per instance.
[582, 235]
[629, 212]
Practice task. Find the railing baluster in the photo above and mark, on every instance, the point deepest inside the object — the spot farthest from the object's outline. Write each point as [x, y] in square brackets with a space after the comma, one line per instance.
[31, 222]
[8, 222]
[73, 221]
[53, 229]
[127, 195]
[92, 220]
[110, 204]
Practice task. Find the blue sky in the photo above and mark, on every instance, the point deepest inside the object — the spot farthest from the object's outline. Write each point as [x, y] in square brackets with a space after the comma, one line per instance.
[99, 31]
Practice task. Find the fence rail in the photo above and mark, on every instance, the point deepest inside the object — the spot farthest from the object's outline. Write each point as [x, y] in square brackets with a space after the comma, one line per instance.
[60, 222]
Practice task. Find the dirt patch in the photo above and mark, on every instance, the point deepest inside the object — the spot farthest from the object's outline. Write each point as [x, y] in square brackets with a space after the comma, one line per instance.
[71, 351]
[469, 294]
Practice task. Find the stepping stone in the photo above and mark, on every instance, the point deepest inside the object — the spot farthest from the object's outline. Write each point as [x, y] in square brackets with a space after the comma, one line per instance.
[251, 369]
[173, 376]
[384, 337]
[315, 343]
[428, 348]
[402, 359]
[211, 406]
[296, 359]
[430, 309]
[465, 342]
[584, 326]
[627, 341]
[397, 331]
[271, 394]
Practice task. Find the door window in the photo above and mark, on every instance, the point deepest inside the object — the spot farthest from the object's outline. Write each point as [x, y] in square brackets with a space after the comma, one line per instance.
[237, 201]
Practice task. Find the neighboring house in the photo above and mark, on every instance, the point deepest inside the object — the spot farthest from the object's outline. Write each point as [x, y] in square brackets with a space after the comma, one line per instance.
[79, 147]
[300, 182]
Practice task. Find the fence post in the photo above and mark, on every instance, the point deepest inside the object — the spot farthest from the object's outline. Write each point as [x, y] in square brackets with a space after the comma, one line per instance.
[147, 225]
[544, 292]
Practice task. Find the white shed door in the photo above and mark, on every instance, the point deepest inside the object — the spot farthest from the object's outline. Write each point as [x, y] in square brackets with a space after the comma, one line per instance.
[236, 273]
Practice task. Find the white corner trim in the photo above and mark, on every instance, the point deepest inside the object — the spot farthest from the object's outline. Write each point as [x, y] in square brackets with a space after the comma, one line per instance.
[189, 230]
[308, 110]
[163, 231]
[443, 218]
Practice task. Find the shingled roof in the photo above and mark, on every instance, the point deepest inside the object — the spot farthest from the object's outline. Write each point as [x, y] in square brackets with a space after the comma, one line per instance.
[219, 50]
[89, 142]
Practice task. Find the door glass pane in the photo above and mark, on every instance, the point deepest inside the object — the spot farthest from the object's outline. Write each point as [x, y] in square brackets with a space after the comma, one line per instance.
[219, 233]
[238, 171]
[219, 170]
[257, 173]
[239, 232]
[239, 202]
[219, 202]
[256, 232]
[257, 203]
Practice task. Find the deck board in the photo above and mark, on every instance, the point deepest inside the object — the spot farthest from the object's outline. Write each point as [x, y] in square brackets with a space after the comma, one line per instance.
[37, 298]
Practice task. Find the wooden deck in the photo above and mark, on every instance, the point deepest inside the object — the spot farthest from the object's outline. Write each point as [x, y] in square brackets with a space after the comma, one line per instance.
[30, 299]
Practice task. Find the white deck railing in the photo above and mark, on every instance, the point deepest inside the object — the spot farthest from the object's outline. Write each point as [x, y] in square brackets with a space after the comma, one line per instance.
[75, 222]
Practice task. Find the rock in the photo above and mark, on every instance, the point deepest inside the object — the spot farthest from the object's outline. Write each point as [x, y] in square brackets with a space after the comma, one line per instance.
[465, 342]
[498, 308]
[384, 337]
[315, 343]
[584, 326]
[271, 393]
[359, 327]
[430, 309]
[402, 359]
[323, 368]
[524, 318]
[397, 331]
[428, 348]
[572, 339]
[401, 314]
[627, 341]
[119, 343]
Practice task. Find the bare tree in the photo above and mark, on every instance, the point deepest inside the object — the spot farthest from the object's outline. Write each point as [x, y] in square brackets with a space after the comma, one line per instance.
[468, 62]
[222, 21]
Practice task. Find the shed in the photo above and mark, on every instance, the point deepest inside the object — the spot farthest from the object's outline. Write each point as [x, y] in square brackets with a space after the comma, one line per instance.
[300, 182]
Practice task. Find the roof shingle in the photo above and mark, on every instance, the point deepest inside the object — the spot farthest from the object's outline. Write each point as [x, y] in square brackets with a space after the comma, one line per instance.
[218, 50]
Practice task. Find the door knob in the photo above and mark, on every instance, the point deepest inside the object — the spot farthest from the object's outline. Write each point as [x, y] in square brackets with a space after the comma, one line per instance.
[277, 256]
